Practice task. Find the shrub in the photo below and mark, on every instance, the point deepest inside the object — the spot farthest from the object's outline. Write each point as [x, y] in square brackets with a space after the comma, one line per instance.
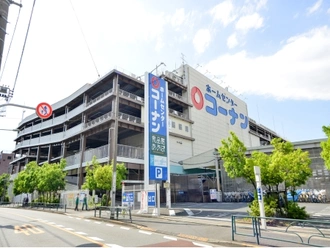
[270, 205]
[104, 201]
[296, 212]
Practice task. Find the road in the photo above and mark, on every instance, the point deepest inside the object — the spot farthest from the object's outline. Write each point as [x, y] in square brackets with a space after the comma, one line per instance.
[224, 211]
[26, 228]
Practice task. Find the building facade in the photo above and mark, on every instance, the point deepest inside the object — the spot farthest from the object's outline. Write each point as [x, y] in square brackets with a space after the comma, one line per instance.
[5, 159]
[106, 119]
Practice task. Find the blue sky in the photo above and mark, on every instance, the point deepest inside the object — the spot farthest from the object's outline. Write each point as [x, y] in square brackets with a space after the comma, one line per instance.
[275, 54]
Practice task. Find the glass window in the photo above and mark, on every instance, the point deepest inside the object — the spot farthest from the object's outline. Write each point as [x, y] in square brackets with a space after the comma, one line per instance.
[173, 124]
[186, 128]
[180, 126]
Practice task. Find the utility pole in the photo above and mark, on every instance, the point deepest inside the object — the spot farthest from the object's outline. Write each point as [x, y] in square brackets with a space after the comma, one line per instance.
[4, 8]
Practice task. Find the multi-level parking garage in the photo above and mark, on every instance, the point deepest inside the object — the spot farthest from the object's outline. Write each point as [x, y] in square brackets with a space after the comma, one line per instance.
[106, 119]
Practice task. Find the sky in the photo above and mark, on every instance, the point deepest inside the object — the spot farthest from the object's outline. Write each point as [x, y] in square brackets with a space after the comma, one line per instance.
[273, 54]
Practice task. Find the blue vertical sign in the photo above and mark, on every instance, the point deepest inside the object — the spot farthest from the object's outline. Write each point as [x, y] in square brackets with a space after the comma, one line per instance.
[157, 128]
[152, 199]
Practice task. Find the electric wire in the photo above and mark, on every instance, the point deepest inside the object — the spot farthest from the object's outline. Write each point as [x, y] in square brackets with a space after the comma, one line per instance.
[23, 49]
[90, 53]
[12, 38]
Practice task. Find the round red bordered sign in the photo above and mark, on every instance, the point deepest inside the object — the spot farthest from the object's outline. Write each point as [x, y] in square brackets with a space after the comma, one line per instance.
[44, 110]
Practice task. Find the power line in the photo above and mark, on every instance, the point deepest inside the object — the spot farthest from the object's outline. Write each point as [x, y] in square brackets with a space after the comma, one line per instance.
[20, 61]
[90, 53]
[12, 38]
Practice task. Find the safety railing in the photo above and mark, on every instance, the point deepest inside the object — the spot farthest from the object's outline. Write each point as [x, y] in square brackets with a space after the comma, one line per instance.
[297, 231]
[36, 205]
[46, 206]
[118, 213]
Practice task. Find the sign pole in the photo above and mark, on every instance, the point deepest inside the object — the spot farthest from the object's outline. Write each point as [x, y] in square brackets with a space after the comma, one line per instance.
[260, 196]
[158, 199]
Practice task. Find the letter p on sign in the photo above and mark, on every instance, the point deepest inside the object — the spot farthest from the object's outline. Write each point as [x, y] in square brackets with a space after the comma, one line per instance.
[159, 173]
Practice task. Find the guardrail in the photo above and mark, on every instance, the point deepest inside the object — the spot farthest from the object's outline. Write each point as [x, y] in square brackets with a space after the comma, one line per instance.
[37, 205]
[297, 231]
[49, 206]
[118, 213]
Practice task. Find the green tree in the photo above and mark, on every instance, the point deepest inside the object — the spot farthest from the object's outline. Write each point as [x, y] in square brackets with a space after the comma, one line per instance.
[233, 153]
[52, 177]
[28, 179]
[325, 145]
[103, 176]
[90, 181]
[4, 183]
[284, 165]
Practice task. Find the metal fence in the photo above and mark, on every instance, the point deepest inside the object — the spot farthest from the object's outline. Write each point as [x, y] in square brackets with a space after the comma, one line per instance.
[118, 213]
[282, 230]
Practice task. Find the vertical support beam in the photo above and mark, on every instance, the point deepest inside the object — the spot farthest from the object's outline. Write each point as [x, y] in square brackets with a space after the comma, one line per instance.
[82, 152]
[217, 171]
[63, 153]
[38, 154]
[113, 139]
[49, 153]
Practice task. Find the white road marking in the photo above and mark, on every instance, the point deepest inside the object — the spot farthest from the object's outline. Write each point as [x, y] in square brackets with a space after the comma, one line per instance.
[201, 244]
[97, 222]
[69, 229]
[70, 217]
[60, 225]
[110, 225]
[171, 238]
[189, 212]
[145, 232]
[82, 233]
[52, 223]
[78, 218]
[125, 228]
[96, 238]
[88, 220]
[113, 245]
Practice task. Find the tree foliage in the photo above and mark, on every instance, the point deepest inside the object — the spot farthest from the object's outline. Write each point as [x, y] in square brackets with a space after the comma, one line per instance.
[90, 181]
[100, 177]
[284, 166]
[48, 178]
[4, 183]
[325, 145]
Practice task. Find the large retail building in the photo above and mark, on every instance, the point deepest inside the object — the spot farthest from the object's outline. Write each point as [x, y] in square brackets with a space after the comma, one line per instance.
[106, 119]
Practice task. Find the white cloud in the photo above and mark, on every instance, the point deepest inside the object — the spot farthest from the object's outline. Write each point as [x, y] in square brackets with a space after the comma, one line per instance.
[202, 40]
[245, 23]
[315, 7]
[299, 70]
[232, 41]
[178, 18]
[224, 12]
[328, 11]
[261, 4]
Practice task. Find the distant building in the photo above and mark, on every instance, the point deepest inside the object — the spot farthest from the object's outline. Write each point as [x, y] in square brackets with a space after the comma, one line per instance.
[5, 159]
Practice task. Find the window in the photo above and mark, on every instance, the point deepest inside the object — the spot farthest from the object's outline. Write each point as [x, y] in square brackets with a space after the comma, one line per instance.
[173, 124]
[9, 157]
[180, 126]
[186, 128]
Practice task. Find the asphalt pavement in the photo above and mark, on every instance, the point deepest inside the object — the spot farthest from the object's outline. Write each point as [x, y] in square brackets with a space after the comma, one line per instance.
[189, 223]
[205, 222]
